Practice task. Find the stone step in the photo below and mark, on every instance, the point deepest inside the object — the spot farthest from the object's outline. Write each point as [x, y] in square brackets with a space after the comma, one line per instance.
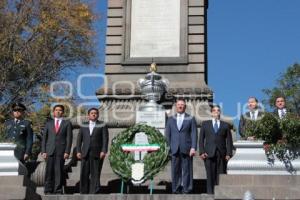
[259, 192]
[18, 192]
[75, 173]
[198, 167]
[11, 180]
[20, 180]
[12, 192]
[260, 180]
[128, 197]
[107, 177]
[110, 182]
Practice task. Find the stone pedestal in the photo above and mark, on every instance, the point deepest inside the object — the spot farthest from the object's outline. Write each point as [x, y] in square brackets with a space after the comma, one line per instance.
[261, 186]
[251, 170]
[152, 114]
[250, 158]
[9, 165]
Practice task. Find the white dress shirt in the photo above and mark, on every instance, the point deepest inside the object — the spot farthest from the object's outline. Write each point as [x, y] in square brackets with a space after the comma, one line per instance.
[281, 113]
[180, 118]
[255, 114]
[214, 121]
[59, 121]
[92, 126]
[17, 121]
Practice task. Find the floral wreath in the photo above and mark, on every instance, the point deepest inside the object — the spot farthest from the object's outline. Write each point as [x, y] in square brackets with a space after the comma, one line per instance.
[154, 161]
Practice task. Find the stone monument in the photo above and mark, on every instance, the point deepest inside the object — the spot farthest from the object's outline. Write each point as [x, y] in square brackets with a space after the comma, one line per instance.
[152, 88]
[171, 33]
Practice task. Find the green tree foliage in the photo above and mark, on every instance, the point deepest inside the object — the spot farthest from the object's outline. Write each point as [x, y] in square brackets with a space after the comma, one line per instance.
[288, 85]
[39, 116]
[40, 39]
[267, 128]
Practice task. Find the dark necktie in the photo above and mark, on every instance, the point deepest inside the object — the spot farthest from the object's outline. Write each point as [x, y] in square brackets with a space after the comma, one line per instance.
[216, 126]
[282, 113]
[253, 115]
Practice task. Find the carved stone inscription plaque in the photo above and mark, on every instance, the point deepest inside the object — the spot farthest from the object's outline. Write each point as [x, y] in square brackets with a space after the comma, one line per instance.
[155, 28]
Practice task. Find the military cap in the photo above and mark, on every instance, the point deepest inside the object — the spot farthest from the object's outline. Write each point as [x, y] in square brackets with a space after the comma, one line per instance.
[18, 106]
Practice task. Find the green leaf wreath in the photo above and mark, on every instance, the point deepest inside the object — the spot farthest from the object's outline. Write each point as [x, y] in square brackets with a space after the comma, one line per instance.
[121, 162]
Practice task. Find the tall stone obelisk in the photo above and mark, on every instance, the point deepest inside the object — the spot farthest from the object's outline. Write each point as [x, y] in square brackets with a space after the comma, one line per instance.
[171, 33]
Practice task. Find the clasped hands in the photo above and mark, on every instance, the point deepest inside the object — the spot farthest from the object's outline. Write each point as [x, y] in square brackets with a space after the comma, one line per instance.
[102, 155]
[203, 156]
[45, 156]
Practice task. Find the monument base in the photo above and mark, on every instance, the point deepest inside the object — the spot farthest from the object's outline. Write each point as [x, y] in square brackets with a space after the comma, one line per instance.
[129, 197]
[250, 158]
[17, 187]
[252, 171]
[9, 164]
[260, 186]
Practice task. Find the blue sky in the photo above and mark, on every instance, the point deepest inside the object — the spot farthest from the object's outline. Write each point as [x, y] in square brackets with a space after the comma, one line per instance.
[250, 42]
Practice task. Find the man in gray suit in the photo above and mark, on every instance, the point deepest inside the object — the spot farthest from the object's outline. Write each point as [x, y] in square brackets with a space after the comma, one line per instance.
[56, 147]
[92, 145]
[253, 114]
[181, 134]
[215, 147]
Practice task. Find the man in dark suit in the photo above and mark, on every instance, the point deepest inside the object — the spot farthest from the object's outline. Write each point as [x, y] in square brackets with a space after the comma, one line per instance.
[215, 147]
[56, 147]
[19, 131]
[253, 114]
[92, 145]
[281, 109]
[181, 134]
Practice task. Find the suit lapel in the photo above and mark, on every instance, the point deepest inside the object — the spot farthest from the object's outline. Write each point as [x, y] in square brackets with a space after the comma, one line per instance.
[248, 115]
[97, 125]
[220, 127]
[175, 121]
[62, 123]
[52, 125]
[184, 121]
[94, 129]
[211, 127]
[86, 129]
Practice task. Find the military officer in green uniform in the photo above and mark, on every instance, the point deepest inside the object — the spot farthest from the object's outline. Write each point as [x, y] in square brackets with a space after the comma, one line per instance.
[19, 131]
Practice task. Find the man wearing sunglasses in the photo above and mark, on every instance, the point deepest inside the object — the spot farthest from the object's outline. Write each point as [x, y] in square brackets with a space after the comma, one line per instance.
[19, 131]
